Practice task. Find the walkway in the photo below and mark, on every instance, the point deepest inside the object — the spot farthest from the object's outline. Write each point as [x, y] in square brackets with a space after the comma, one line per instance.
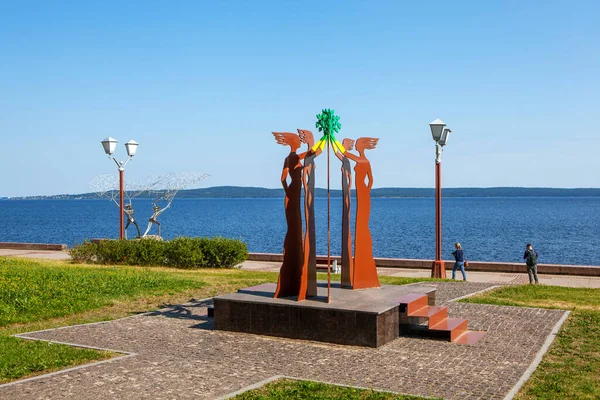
[483, 277]
[176, 354]
[498, 278]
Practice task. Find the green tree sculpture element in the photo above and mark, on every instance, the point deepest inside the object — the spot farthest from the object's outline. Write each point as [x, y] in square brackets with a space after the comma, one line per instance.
[329, 124]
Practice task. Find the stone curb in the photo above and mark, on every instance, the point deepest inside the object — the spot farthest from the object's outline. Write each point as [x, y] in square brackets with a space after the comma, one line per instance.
[538, 358]
[32, 246]
[474, 294]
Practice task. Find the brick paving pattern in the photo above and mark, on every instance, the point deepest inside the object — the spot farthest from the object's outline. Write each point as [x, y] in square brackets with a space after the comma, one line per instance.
[180, 355]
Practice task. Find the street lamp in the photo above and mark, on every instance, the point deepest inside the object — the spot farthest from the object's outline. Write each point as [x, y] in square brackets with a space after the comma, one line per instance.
[109, 145]
[440, 134]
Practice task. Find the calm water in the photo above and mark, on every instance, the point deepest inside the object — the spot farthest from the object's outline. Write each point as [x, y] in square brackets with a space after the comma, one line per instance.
[563, 230]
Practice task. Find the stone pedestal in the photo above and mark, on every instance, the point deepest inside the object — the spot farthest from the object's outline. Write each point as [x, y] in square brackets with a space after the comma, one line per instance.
[367, 317]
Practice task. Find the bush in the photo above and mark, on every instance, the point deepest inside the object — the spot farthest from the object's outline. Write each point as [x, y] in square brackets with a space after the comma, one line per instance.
[185, 252]
[182, 252]
[146, 252]
[84, 253]
[221, 251]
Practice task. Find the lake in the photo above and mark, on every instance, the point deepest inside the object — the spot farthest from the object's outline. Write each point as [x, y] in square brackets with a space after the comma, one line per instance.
[564, 230]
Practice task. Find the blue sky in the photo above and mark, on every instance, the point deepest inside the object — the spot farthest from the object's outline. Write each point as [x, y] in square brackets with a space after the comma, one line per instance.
[200, 85]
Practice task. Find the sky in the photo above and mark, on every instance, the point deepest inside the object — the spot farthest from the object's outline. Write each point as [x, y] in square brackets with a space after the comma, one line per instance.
[201, 85]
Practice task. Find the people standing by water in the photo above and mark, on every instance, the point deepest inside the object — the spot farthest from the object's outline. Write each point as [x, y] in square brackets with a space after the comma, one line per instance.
[459, 256]
[531, 257]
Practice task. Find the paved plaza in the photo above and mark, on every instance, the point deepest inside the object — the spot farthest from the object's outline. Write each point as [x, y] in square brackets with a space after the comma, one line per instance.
[176, 354]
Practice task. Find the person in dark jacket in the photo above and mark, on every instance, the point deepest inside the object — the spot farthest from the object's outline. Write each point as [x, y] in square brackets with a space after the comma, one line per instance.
[531, 257]
[459, 256]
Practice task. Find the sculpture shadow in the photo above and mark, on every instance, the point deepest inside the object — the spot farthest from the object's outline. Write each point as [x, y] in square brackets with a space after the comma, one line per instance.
[189, 311]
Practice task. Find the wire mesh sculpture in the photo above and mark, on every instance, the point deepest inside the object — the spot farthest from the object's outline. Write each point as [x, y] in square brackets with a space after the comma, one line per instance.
[107, 186]
[161, 188]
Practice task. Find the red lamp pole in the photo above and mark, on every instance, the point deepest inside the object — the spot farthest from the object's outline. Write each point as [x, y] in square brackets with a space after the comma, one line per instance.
[109, 147]
[438, 270]
[121, 202]
[440, 134]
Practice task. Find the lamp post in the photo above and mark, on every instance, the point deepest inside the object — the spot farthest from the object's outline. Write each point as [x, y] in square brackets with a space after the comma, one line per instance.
[440, 135]
[109, 145]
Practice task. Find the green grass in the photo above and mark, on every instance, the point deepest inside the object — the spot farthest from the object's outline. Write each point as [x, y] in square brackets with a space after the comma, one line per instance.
[30, 291]
[24, 358]
[292, 389]
[571, 367]
[542, 296]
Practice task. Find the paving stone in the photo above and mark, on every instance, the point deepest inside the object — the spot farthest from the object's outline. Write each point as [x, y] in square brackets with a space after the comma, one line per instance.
[178, 355]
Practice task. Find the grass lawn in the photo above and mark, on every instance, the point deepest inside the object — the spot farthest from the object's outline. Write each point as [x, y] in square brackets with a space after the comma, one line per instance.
[292, 389]
[571, 367]
[25, 357]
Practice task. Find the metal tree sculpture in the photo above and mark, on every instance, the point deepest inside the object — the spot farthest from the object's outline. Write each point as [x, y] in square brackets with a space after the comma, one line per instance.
[329, 124]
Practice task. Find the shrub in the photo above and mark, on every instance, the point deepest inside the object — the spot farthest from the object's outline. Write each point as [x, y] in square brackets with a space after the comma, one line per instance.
[146, 252]
[182, 252]
[84, 253]
[219, 251]
[113, 251]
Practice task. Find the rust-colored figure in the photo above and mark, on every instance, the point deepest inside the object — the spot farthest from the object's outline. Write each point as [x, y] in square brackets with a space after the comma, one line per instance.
[365, 272]
[290, 274]
[309, 269]
[347, 262]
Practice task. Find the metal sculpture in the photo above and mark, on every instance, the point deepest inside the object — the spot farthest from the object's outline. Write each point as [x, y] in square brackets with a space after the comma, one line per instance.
[297, 276]
[108, 186]
[309, 267]
[161, 188]
[347, 261]
[365, 271]
[130, 220]
[329, 124]
[156, 211]
[291, 279]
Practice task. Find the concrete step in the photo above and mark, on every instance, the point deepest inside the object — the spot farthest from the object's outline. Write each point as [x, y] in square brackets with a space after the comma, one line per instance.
[412, 302]
[451, 328]
[433, 314]
[469, 337]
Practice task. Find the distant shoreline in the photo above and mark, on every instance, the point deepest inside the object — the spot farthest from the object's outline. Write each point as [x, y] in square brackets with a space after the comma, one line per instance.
[229, 192]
